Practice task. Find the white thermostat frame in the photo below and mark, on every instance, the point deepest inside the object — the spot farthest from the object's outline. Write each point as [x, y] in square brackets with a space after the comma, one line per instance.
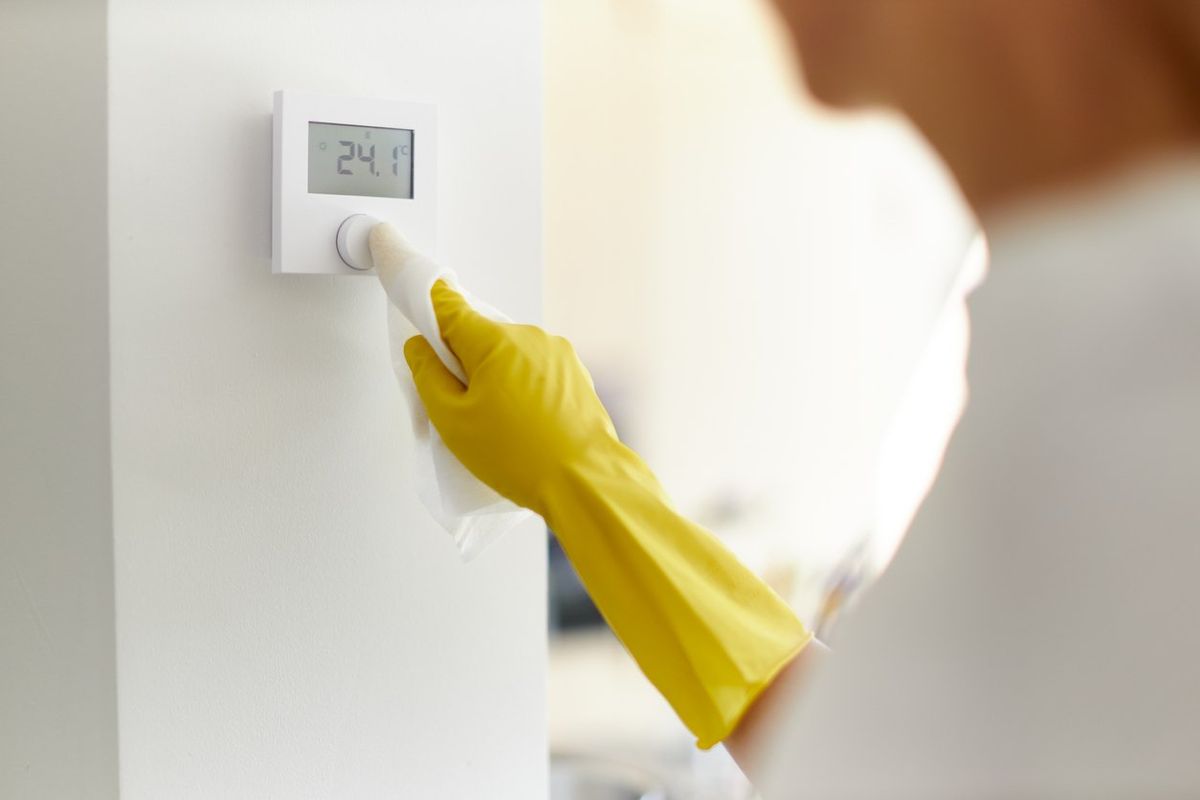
[305, 226]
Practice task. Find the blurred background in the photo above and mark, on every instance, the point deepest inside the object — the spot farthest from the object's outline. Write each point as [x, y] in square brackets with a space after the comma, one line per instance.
[759, 288]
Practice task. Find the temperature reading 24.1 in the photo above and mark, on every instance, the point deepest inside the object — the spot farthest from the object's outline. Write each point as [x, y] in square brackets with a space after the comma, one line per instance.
[360, 160]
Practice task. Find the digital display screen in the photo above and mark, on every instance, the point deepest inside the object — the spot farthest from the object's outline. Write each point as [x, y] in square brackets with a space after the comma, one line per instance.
[360, 160]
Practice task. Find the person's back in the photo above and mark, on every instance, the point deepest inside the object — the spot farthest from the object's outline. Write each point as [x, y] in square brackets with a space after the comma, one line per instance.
[1035, 635]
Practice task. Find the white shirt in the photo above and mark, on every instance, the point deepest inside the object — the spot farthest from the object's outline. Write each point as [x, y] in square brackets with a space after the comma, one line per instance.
[1037, 635]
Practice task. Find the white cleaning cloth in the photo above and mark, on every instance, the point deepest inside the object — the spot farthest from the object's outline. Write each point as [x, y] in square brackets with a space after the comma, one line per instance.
[470, 511]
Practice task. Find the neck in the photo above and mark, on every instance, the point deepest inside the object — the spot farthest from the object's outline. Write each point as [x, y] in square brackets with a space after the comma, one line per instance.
[1076, 114]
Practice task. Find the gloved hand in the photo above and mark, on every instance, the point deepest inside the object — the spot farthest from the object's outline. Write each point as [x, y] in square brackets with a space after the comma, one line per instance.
[530, 412]
[705, 630]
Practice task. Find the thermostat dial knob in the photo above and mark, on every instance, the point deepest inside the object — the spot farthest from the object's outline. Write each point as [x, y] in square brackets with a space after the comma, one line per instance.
[353, 241]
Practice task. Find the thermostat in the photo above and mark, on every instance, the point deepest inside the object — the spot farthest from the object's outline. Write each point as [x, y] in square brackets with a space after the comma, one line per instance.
[341, 164]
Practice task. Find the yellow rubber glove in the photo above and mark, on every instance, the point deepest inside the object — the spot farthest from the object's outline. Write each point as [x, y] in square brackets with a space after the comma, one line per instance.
[704, 629]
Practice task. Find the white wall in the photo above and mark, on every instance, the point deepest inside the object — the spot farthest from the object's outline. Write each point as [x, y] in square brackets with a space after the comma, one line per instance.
[57, 678]
[290, 623]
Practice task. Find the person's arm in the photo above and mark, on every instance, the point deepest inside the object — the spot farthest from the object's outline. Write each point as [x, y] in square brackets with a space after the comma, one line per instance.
[752, 740]
[704, 629]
